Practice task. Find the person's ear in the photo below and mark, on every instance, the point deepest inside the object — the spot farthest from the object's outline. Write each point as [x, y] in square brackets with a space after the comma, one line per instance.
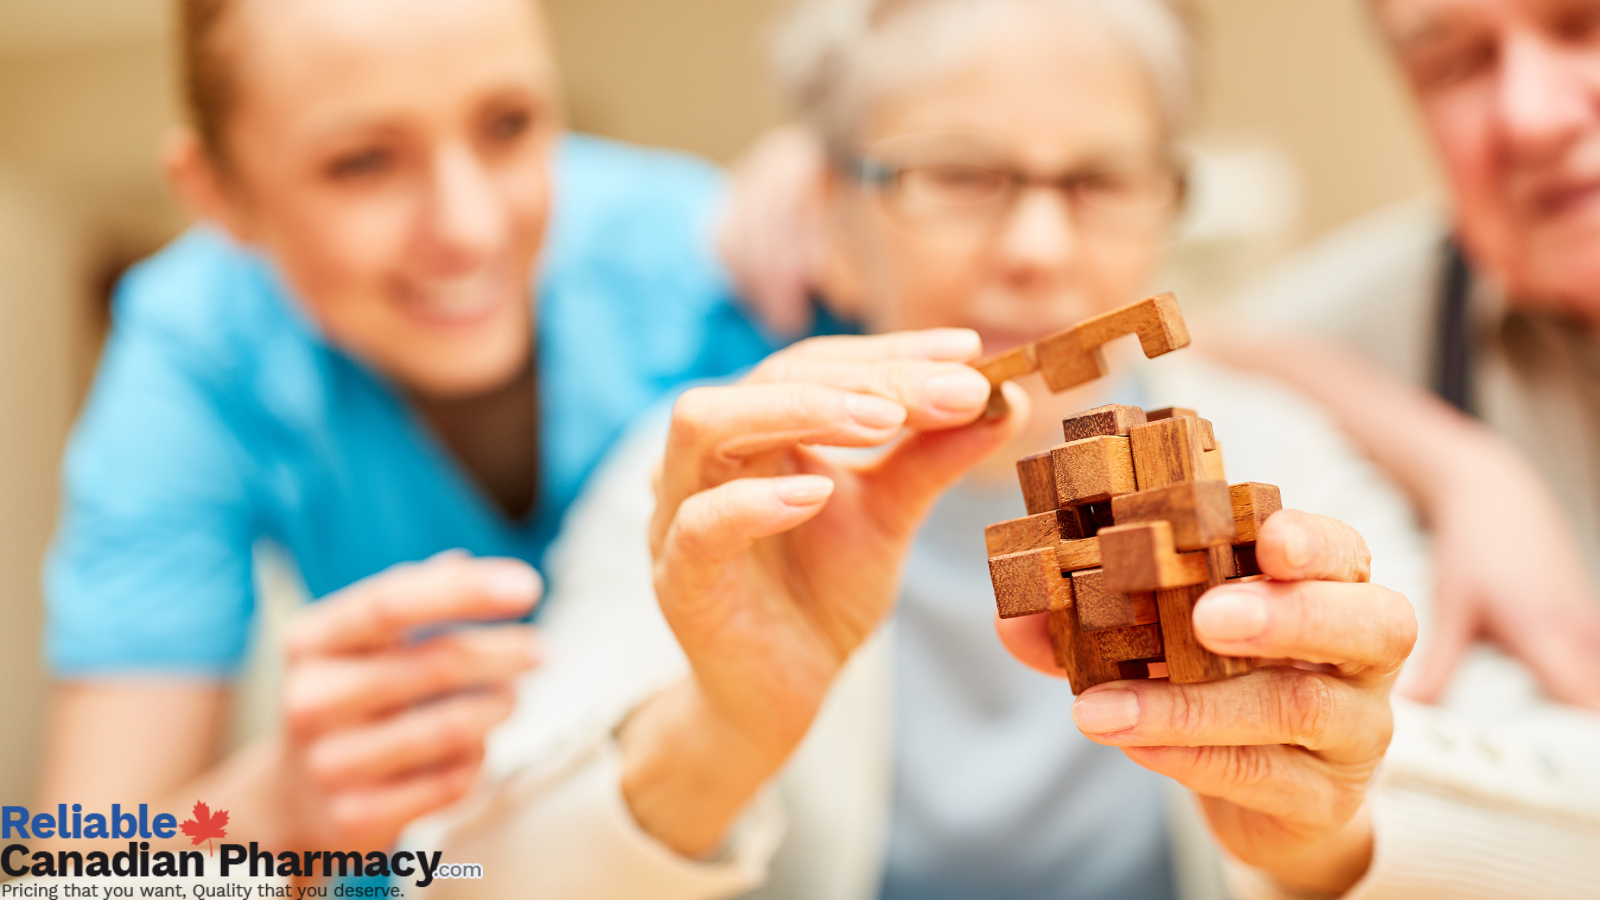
[200, 185]
[840, 280]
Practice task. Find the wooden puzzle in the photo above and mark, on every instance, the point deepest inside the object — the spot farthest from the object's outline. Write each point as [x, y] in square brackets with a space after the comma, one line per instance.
[1129, 520]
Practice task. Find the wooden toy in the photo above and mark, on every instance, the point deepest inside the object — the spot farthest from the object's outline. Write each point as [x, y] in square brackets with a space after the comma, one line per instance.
[1130, 519]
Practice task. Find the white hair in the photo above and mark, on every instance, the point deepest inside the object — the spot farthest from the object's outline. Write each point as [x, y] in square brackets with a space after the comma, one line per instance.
[832, 57]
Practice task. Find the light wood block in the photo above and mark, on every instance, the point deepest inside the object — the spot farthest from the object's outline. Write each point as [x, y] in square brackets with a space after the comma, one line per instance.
[1166, 452]
[1066, 361]
[1133, 643]
[1168, 412]
[1100, 608]
[1187, 661]
[1142, 557]
[1111, 419]
[1252, 503]
[1028, 583]
[1156, 320]
[1200, 512]
[1008, 366]
[1037, 475]
[1078, 554]
[1092, 470]
[1211, 463]
[1027, 533]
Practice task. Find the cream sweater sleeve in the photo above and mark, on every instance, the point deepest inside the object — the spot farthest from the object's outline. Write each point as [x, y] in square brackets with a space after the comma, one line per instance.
[549, 820]
[1465, 808]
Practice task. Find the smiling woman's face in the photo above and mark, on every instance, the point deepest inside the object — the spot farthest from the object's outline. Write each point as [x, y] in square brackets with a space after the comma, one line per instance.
[392, 157]
[1045, 93]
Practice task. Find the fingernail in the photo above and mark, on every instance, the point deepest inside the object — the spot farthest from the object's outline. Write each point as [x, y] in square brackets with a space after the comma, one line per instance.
[1296, 544]
[963, 391]
[875, 413]
[1104, 712]
[513, 585]
[954, 344]
[804, 490]
[1231, 614]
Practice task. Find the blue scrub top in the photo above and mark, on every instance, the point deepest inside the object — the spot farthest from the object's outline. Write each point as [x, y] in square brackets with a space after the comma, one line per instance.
[220, 417]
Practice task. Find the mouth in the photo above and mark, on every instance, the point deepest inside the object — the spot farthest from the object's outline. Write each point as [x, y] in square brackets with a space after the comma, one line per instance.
[458, 301]
[1567, 197]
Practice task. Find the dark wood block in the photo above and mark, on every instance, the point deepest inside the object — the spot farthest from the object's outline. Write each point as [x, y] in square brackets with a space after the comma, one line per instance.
[1142, 557]
[1037, 475]
[1092, 470]
[1027, 533]
[1201, 512]
[1135, 642]
[1100, 608]
[1188, 662]
[1066, 361]
[1078, 653]
[1166, 452]
[1113, 419]
[1252, 502]
[1028, 583]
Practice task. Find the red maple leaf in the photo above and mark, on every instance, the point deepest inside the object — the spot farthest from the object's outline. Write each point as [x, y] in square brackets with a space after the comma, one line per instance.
[205, 826]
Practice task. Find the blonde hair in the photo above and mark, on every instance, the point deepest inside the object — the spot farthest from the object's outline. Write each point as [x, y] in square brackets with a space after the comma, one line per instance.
[205, 75]
[831, 57]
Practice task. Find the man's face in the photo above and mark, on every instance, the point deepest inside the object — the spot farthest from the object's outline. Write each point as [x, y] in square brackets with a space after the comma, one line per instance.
[1510, 90]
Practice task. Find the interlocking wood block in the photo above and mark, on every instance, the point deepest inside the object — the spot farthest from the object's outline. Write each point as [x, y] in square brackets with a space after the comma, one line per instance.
[1027, 533]
[1187, 661]
[1123, 644]
[1211, 462]
[1079, 554]
[1208, 436]
[1078, 652]
[1142, 558]
[1066, 361]
[1200, 512]
[1168, 412]
[1156, 320]
[1252, 502]
[1111, 419]
[1092, 470]
[1037, 473]
[1008, 366]
[1100, 608]
[1028, 583]
[1166, 451]
[1094, 516]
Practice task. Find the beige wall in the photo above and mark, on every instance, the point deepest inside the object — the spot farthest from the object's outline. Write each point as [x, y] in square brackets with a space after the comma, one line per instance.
[85, 94]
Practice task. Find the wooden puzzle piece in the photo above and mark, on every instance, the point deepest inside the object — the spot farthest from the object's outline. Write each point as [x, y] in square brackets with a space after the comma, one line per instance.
[1244, 561]
[1168, 412]
[1027, 533]
[1028, 583]
[1167, 451]
[1125, 644]
[1080, 554]
[1112, 419]
[1100, 607]
[1037, 473]
[1211, 465]
[1188, 662]
[1092, 470]
[1142, 557]
[1252, 503]
[1078, 652]
[1200, 512]
[1074, 356]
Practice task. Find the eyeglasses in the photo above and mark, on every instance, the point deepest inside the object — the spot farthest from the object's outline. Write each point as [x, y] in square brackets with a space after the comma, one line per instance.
[1128, 194]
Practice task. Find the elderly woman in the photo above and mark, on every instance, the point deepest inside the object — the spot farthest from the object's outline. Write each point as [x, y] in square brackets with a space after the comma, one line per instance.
[1001, 169]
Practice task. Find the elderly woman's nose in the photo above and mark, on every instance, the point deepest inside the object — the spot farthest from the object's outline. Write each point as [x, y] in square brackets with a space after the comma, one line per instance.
[467, 219]
[1546, 96]
[1040, 233]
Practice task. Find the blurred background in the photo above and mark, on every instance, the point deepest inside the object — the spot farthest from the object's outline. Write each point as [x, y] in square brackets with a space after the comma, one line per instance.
[1304, 127]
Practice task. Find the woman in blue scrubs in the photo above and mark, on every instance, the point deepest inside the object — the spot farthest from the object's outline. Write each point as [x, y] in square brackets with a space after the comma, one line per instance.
[413, 317]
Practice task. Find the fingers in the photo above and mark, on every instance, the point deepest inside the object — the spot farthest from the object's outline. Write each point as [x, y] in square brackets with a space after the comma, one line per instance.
[387, 607]
[714, 526]
[322, 693]
[905, 483]
[1563, 650]
[1273, 705]
[1298, 546]
[423, 737]
[1277, 780]
[1353, 626]
[1454, 631]
[380, 811]
[1028, 639]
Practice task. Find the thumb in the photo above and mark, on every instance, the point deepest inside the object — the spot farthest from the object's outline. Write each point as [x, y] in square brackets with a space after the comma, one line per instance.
[902, 487]
[1456, 628]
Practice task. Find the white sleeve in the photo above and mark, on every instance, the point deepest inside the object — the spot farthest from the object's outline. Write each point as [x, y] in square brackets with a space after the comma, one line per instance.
[1466, 809]
[549, 820]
